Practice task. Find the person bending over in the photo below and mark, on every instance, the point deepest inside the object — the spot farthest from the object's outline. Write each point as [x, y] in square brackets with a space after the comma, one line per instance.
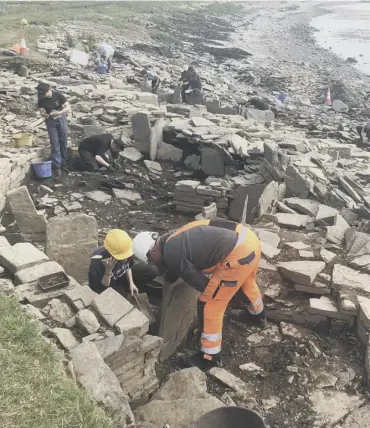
[105, 52]
[217, 258]
[94, 151]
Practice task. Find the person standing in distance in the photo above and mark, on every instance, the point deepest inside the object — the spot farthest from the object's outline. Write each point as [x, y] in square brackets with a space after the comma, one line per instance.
[54, 107]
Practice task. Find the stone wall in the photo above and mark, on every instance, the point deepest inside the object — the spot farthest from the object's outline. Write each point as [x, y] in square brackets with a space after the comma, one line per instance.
[104, 336]
[15, 165]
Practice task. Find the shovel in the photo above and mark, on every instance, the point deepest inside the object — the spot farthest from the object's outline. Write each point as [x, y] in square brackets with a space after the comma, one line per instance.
[143, 305]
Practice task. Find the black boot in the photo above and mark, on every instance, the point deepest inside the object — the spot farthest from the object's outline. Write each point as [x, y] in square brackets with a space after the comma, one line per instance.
[200, 360]
[257, 320]
[58, 172]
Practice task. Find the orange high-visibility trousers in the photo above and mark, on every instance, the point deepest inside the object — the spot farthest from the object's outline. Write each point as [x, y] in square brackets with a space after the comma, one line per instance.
[237, 271]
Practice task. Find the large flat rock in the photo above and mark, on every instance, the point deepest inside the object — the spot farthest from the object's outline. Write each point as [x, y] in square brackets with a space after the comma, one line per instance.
[326, 213]
[179, 403]
[24, 211]
[70, 241]
[179, 312]
[21, 256]
[359, 418]
[111, 306]
[332, 406]
[301, 272]
[135, 323]
[294, 221]
[303, 206]
[35, 272]
[101, 383]
[345, 278]
[327, 307]
[337, 232]
[80, 297]
[228, 379]
[267, 236]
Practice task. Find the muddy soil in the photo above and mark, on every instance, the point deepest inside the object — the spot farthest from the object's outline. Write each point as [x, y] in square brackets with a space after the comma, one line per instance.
[154, 212]
[280, 402]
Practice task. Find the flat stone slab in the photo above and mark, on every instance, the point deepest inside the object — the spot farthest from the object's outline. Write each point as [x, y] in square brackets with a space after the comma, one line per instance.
[38, 297]
[101, 383]
[24, 211]
[109, 346]
[268, 237]
[326, 213]
[80, 297]
[301, 272]
[135, 323]
[267, 337]
[294, 331]
[364, 311]
[131, 154]
[128, 195]
[337, 232]
[362, 263]
[187, 185]
[293, 221]
[327, 307]
[201, 121]
[111, 306]
[4, 242]
[36, 272]
[269, 251]
[306, 254]
[332, 406]
[153, 167]
[70, 241]
[65, 337]
[228, 379]
[345, 278]
[21, 256]
[303, 206]
[298, 245]
[328, 256]
[359, 418]
[98, 196]
[58, 311]
[315, 288]
[87, 321]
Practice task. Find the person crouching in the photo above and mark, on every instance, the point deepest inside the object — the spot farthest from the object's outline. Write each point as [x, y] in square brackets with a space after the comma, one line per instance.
[113, 265]
[94, 151]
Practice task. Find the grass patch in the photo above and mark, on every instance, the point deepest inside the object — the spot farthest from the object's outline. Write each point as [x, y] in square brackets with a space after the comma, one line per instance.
[34, 392]
[42, 15]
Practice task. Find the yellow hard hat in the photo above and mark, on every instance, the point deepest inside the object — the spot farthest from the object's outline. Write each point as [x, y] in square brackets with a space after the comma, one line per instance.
[118, 244]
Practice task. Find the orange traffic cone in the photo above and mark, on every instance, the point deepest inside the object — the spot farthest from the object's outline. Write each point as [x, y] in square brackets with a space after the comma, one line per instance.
[23, 50]
[328, 98]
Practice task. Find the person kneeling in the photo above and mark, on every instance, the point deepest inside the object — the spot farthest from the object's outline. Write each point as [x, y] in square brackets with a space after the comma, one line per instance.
[112, 265]
[94, 151]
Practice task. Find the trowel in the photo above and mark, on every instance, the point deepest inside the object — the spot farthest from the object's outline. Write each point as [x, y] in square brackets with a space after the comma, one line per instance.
[142, 303]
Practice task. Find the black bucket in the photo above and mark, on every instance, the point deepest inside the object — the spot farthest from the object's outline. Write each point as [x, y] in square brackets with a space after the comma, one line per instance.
[230, 417]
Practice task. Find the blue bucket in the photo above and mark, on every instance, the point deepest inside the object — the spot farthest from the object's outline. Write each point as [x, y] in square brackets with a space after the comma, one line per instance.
[42, 169]
[102, 68]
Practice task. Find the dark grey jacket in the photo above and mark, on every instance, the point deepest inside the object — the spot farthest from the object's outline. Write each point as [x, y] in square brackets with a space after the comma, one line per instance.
[195, 249]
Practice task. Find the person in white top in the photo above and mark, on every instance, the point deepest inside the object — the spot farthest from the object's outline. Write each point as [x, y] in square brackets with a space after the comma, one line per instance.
[105, 52]
[153, 78]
